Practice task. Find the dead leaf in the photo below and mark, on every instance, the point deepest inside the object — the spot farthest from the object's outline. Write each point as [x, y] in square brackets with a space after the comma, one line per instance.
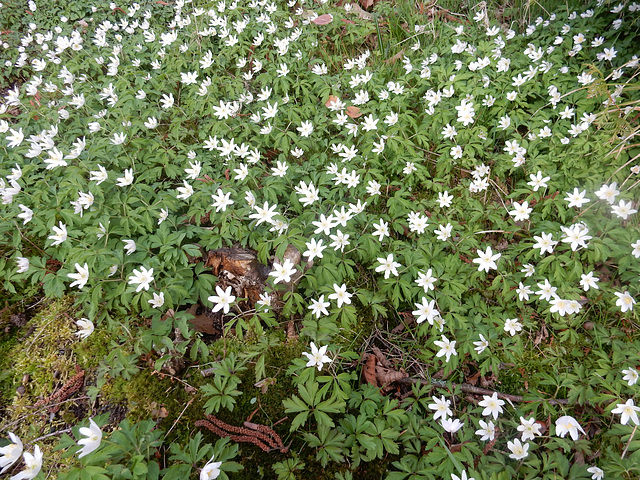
[366, 3]
[353, 112]
[291, 330]
[323, 19]
[357, 9]
[369, 371]
[473, 380]
[330, 101]
[388, 375]
[381, 358]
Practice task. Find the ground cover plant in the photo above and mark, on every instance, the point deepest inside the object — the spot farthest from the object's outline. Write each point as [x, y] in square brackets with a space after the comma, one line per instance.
[259, 239]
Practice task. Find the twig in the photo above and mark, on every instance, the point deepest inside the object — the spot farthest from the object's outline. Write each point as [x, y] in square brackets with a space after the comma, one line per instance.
[467, 388]
[179, 416]
[629, 442]
[7, 427]
[59, 432]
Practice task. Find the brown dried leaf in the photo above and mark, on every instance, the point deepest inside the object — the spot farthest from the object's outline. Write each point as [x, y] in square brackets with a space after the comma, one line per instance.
[353, 112]
[369, 371]
[330, 101]
[366, 3]
[395, 58]
[381, 358]
[323, 19]
[357, 9]
[388, 375]
[473, 380]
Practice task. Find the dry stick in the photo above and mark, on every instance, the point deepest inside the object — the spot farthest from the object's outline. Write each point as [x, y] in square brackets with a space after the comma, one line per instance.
[7, 427]
[467, 388]
[179, 416]
[629, 442]
[66, 430]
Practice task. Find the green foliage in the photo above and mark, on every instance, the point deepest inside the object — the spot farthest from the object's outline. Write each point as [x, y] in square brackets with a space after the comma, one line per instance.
[463, 197]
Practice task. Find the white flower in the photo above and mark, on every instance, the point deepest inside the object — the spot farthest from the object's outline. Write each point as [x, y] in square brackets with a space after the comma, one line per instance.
[631, 376]
[589, 281]
[185, 191]
[627, 411]
[93, 438]
[305, 129]
[81, 278]
[118, 138]
[282, 272]
[567, 424]
[608, 192]
[561, 306]
[210, 471]
[221, 200]
[577, 198]
[164, 213]
[451, 425]
[142, 278]
[129, 246]
[441, 408]
[636, 249]
[487, 431]
[10, 453]
[381, 230]
[23, 264]
[512, 325]
[625, 301]
[26, 215]
[167, 101]
[340, 240]
[16, 138]
[487, 260]
[444, 199]
[443, 232]
[264, 214]
[529, 428]
[223, 299]
[481, 345]
[521, 211]
[127, 179]
[492, 404]
[99, 175]
[518, 450]
[33, 465]
[314, 249]
[464, 472]
[388, 266]
[597, 473]
[157, 301]
[523, 291]
[447, 348]
[60, 234]
[624, 209]
[577, 235]
[426, 311]
[341, 295]
[545, 243]
[317, 357]
[426, 280]
[319, 307]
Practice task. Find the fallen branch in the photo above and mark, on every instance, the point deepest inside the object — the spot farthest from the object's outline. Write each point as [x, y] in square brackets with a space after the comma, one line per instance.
[52, 434]
[467, 388]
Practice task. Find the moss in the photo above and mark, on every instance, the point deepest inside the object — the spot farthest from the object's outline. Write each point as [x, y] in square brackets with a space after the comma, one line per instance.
[41, 362]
